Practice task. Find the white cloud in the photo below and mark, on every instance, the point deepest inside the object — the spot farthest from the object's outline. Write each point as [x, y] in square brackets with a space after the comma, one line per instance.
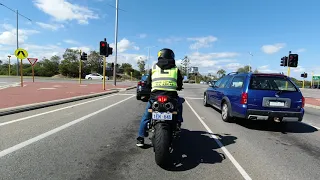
[271, 49]
[170, 40]
[265, 69]
[83, 49]
[40, 51]
[233, 66]
[211, 62]
[301, 50]
[299, 69]
[9, 37]
[142, 36]
[52, 27]
[70, 41]
[62, 10]
[124, 45]
[202, 42]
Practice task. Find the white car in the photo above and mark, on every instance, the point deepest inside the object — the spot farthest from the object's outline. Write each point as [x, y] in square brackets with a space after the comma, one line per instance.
[95, 76]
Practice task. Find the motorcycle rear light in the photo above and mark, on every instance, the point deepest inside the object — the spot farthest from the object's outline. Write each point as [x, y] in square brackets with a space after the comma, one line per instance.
[244, 98]
[162, 99]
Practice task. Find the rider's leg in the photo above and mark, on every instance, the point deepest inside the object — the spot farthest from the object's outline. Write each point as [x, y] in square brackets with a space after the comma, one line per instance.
[180, 108]
[143, 125]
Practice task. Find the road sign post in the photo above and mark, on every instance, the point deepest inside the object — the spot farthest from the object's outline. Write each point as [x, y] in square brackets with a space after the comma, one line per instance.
[32, 62]
[21, 54]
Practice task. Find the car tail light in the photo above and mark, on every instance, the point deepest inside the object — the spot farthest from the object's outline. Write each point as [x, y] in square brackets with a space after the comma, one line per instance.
[142, 83]
[139, 83]
[162, 99]
[244, 98]
[303, 101]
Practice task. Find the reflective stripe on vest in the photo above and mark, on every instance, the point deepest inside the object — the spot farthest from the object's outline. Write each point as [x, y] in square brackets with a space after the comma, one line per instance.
[164, 79]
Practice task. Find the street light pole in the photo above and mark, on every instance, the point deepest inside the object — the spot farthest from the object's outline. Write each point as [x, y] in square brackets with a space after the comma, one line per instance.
[250, 69]
[149, 56]
[9, 65]
[116, 43]
[18, 41]
[17, 13]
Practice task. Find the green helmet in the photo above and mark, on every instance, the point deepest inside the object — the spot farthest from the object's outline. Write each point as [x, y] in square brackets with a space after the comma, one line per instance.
[166, 53]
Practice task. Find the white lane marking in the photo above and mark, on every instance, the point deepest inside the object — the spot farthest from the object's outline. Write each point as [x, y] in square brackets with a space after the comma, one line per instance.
[193, 98]
[53, 131]
[244, 174]
[40, 114]
[126, 94]
[309, 124]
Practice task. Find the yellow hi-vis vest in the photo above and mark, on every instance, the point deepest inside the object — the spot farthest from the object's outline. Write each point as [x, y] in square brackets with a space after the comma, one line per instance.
[164, 79]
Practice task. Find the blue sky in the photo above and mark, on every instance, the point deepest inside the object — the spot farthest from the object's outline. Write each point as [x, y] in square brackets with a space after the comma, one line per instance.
[214, 34]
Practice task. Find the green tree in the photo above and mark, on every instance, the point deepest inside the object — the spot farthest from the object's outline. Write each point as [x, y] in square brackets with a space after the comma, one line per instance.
[141, 66]
[127, 68]
[244, 69]
[221, 72]
[94, 61]
[69, 66]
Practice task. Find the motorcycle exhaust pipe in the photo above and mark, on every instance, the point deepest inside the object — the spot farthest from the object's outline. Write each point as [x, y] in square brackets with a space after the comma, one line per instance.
[169, 106]
[276, 119]
[155, 106]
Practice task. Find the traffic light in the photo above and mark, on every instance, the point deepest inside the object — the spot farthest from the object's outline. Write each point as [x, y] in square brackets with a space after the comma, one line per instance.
[103, 48]
[84, 56]
[109, 50]
[304, 75]
[284, 61]
[293, 60]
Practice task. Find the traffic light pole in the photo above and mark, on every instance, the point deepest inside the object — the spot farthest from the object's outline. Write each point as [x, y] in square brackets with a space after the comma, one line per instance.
[288, 73]
[288, 64]
[104, 73]
[80, 64]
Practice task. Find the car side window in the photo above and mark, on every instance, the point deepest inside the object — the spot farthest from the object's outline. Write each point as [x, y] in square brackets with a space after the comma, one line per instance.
[224, 81]
[237, 82]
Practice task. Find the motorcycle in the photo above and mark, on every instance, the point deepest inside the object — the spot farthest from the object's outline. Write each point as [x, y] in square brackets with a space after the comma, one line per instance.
[164, 127]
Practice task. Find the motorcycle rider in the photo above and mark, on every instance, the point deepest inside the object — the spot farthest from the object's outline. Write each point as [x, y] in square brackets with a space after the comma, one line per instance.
[167, 68]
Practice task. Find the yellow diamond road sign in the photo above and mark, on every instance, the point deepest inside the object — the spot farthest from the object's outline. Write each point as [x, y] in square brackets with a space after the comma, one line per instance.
[21, 53]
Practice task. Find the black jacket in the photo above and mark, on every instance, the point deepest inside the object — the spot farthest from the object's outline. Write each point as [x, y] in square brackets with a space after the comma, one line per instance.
[165, 64]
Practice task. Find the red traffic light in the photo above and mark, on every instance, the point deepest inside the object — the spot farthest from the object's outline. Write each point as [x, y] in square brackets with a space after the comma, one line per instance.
[103, 44]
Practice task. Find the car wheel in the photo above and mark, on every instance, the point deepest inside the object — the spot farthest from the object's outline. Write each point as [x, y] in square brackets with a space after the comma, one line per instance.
[225, 113]
[90, 78]
[138, 97]
[205, 100]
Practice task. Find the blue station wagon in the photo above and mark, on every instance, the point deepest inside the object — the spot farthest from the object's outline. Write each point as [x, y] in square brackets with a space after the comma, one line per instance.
[256, 96]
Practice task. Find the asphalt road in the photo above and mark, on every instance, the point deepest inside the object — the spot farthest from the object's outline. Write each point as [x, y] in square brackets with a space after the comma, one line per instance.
[95, 139]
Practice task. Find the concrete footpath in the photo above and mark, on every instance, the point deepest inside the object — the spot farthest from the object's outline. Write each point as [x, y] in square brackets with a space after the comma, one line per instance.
[42, 94]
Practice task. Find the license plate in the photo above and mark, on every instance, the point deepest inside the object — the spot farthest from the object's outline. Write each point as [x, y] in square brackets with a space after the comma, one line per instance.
[161, 116]
[279, 104]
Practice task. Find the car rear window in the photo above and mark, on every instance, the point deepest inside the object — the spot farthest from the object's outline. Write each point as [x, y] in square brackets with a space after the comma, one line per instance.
[275, 83]
[144, 78]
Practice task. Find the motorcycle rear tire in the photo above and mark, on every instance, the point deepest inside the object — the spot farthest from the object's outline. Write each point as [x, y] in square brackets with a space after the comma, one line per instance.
[161, 144]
